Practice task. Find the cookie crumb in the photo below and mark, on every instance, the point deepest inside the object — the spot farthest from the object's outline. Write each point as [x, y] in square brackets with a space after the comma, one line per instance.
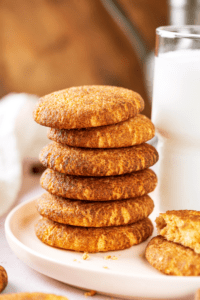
[114, 258]
[85, 256]
[107, 257]
[105, 267]
[90, 293]
[75, 259]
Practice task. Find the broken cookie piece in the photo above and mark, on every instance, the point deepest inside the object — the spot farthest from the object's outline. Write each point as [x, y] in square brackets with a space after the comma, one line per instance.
[181, 226]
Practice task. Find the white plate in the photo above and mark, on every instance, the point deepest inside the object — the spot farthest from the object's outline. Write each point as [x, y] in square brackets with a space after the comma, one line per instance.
[129, 276]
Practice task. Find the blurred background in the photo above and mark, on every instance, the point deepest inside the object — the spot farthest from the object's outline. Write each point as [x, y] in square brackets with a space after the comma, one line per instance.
[48, 45]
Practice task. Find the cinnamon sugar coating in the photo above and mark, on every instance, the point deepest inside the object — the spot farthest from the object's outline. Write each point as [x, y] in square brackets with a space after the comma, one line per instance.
[91, 239]
[31, 296]
[87, 106]
[171, 258]
[97, 162]
[99, 188]
[131, 132]
[94, 214]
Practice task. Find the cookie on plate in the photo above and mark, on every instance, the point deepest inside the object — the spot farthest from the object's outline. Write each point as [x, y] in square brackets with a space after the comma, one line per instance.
[91, 239]
[87, 106]
[181, 226]
[99, 188]
[171, 258]
[131, 132]
[94, 214]
[97, 162]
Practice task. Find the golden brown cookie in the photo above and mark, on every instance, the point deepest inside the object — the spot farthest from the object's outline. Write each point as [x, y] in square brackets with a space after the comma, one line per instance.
[97, 162]
[3, 279]
[131, 132]
[99, 188]
[94, 214]
[171, 258]
[181, 226]
[87, 106]
[31, 296]
[91, 239]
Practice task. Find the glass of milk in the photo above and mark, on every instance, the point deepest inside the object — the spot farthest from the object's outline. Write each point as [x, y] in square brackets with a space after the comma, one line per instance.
[176, 115]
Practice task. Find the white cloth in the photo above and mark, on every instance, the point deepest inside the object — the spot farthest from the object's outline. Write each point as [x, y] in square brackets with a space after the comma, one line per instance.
[20, 137]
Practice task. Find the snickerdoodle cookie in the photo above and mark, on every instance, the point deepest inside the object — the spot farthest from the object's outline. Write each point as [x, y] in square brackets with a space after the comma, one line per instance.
[32, 296]
[171, 258]
[181, 226]
[131, 132]
[3, 279]
[97, 162]
[94, 214]
[99, 188]
[87, 106]
[91, 239]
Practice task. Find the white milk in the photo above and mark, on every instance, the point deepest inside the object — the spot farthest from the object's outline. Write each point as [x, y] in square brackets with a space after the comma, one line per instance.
[176, 115]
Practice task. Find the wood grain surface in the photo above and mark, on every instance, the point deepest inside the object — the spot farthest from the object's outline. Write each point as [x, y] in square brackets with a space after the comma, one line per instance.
[48, 45]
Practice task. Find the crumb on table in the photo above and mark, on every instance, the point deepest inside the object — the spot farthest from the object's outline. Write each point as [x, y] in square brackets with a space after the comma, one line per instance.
[114, 258]
[85, 255]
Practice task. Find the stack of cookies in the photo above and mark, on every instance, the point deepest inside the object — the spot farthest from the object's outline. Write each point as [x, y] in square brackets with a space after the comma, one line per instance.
[176, 250]
[97, 177]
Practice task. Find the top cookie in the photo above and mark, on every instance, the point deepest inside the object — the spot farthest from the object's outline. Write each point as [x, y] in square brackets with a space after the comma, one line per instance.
[181, 226]
[87, 106]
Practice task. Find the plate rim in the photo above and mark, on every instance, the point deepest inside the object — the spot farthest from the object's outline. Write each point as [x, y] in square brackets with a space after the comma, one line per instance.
[168, 286]
[9, 232]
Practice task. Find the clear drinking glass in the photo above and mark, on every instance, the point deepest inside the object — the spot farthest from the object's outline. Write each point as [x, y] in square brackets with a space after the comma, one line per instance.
[176, 115]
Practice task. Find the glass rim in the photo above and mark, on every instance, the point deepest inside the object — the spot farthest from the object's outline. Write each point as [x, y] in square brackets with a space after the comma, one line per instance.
[171, 31]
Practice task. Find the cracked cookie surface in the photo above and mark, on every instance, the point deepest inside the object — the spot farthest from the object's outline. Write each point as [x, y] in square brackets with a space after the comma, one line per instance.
[91, 239]
[87, 106]
[97, 162]
[171, 258]
[94, 214]
[99, 188]
[131, 132]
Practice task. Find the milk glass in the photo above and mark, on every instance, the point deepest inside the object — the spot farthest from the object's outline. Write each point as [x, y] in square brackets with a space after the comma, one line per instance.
[176, 116]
